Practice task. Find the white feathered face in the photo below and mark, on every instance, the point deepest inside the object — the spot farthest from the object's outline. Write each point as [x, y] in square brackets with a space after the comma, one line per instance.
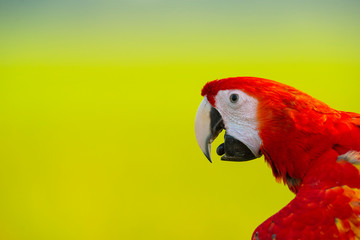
[236, 112]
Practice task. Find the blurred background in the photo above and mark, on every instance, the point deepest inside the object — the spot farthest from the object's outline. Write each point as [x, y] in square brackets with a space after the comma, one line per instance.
[98, 100]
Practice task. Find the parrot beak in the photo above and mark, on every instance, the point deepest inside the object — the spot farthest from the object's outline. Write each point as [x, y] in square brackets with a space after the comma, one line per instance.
[208, 125]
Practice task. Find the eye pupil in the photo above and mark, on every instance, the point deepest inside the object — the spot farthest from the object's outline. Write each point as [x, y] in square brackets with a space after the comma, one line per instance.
[234, 98]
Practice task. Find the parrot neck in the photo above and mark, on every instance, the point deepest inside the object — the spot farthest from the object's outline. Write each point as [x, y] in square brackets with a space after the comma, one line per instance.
[282, 172]
[294, 135]
[292, 153]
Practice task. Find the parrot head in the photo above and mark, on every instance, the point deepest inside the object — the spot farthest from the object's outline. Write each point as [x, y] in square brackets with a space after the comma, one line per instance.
[262, 117]
[232, 110]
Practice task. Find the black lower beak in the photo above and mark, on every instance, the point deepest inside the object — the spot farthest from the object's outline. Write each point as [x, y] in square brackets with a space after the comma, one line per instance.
[234, 150]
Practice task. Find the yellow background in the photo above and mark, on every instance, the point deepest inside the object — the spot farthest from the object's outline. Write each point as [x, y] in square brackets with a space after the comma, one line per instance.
[98, 100]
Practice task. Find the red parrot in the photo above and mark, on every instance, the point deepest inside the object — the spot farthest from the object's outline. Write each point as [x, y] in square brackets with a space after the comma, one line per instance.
[311, 147]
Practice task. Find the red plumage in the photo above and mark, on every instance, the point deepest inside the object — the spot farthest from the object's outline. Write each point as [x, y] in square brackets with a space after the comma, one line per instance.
[302, 139]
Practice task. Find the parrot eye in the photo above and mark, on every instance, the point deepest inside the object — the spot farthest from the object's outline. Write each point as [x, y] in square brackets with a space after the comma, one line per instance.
[234, 98]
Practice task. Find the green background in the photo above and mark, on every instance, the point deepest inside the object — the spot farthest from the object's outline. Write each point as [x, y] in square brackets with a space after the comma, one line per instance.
[98, 100]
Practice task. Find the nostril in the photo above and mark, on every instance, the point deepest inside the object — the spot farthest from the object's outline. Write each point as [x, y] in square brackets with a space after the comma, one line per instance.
[220, 149]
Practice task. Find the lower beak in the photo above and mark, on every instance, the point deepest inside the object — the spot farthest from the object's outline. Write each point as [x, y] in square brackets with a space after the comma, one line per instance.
[208, 125]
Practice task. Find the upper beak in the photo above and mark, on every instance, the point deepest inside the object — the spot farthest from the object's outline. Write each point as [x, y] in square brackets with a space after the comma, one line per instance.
[208, 125]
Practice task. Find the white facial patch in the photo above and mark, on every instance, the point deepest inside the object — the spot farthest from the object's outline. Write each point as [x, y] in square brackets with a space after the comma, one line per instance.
[239, 116]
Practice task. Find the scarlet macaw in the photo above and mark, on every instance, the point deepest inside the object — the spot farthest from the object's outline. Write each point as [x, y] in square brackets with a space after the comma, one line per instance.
[312, 148]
